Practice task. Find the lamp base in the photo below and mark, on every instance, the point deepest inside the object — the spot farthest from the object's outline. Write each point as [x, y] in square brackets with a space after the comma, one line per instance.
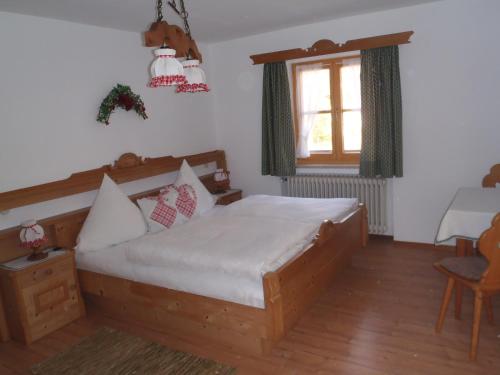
[37, 254]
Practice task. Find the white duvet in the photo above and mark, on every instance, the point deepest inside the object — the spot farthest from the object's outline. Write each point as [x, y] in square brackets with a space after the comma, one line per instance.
[225, 254]
[236, 245]
[305, 210]
[246, 238]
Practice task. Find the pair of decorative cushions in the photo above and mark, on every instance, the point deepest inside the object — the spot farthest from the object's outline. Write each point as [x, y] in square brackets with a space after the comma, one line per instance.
[114, 218]
[174, 205]
[177, 203]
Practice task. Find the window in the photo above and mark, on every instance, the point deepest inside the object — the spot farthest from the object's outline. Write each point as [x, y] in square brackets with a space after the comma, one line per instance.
[327, 103]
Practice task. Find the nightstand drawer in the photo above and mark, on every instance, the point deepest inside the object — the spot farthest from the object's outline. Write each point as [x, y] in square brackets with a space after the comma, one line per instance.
[44, 297]
[57, 297]
[40, 275]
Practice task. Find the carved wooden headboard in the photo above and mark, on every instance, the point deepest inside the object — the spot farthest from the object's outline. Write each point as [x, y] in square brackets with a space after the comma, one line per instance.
[492, 178]
[63, 229]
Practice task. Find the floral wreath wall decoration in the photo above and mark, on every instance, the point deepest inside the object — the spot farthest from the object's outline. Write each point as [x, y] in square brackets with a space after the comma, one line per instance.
[120, 96]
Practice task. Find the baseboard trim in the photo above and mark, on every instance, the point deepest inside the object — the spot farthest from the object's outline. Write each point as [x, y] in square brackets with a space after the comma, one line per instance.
[381, 237]
[424, 246]
[418, 245]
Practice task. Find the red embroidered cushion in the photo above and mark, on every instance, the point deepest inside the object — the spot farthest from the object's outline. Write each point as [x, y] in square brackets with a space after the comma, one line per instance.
[186, 200]
[173, 206]
[163, 213]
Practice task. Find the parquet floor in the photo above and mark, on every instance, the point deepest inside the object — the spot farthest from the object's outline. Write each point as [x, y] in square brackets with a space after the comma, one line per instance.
[378, 318]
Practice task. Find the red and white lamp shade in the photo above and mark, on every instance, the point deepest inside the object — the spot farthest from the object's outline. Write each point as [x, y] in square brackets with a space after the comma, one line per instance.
[166, 70]
[221, 180]
[195, 77]
[33, 237]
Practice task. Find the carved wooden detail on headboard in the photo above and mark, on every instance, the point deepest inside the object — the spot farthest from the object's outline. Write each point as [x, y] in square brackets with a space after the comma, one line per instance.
[128, 160]
[491, 179]
[62, 229]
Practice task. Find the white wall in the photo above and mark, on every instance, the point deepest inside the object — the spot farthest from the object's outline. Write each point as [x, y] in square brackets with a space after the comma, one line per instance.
[54, 74]
[53, 77]
[450, 82]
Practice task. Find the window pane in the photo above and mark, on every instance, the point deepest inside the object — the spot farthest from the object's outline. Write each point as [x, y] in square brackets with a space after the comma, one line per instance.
[351, 131]
[314, 90]
[320, 138]
[351, 86]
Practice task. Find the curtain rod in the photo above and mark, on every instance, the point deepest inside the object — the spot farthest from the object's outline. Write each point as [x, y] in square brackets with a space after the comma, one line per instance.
[327, 47]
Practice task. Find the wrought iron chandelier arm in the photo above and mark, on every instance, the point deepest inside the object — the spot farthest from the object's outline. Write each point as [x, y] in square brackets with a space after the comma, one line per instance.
[173, 5]
[182, 14]
[159, 13]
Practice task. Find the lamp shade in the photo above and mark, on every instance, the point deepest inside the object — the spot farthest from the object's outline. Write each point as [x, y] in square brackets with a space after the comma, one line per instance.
[221, 180]
[195, 76]
[220, 175]
[32, 234]
[166, 70]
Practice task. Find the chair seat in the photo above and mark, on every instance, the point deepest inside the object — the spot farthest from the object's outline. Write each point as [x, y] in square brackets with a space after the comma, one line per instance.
[470, 268]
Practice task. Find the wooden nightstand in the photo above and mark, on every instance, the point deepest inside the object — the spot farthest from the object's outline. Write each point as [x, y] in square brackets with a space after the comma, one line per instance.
[230, 196]
[41, 297]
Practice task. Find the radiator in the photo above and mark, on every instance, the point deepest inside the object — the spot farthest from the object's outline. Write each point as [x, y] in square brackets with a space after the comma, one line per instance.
[370, 191]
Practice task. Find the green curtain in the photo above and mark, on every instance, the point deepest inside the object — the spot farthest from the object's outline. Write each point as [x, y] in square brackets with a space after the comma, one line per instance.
[382, 144]
[278, 141]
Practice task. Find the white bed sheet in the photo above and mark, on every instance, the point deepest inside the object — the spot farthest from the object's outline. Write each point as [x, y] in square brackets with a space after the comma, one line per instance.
[199, 264]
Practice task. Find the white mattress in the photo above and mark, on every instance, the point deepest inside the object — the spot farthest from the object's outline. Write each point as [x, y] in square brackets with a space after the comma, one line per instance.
[224, 253]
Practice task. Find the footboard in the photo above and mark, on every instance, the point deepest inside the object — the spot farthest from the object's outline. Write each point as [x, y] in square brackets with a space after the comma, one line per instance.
[291, 289]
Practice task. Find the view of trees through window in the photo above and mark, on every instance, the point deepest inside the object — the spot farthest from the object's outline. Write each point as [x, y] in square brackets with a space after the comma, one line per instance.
[329, 102]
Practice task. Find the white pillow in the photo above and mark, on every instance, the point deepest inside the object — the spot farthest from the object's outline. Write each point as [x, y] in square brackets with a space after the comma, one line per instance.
[187, 176]
[112, 219]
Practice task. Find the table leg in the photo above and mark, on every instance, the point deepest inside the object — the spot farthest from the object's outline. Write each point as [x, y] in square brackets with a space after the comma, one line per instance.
[4, 329]
[463, 248]
[469, 248]
[459, 291]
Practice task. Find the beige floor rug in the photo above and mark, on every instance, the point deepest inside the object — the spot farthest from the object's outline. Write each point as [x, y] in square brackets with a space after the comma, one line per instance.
[114, 352]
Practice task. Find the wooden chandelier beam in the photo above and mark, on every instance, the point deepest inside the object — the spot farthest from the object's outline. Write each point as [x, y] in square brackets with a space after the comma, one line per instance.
[161, 32]
[327, 47]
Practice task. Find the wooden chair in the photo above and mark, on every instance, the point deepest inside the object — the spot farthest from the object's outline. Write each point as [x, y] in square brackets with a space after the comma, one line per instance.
[465, 247]
[480, 274]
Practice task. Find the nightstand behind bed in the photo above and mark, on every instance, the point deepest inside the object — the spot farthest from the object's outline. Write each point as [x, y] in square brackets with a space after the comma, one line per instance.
[230, 196]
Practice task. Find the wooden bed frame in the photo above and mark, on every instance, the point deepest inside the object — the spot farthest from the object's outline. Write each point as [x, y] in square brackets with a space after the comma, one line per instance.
[288, 291]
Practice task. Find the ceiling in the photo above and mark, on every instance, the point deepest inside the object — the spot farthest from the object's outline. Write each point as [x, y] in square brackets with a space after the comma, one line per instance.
[210, 20]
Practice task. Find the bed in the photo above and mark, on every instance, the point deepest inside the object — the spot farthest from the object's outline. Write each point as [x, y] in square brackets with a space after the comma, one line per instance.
[215, 299]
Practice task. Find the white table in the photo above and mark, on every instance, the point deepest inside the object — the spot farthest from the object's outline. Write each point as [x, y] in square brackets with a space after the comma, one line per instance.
[468, 216]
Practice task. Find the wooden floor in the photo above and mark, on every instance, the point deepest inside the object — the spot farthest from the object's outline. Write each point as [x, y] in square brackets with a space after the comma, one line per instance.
[378, 318]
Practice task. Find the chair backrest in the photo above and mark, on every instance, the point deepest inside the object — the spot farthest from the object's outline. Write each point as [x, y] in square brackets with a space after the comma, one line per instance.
[491, 179]
[489, 246]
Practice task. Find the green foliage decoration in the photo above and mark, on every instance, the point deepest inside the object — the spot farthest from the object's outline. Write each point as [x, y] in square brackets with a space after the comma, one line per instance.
[121, 96]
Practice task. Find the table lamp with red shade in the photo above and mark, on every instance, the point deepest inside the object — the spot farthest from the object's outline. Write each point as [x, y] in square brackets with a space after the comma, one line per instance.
[221, 180]
[33, 237]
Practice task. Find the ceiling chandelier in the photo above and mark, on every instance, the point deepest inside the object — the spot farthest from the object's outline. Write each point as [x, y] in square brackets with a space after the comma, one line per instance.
[175, 43]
